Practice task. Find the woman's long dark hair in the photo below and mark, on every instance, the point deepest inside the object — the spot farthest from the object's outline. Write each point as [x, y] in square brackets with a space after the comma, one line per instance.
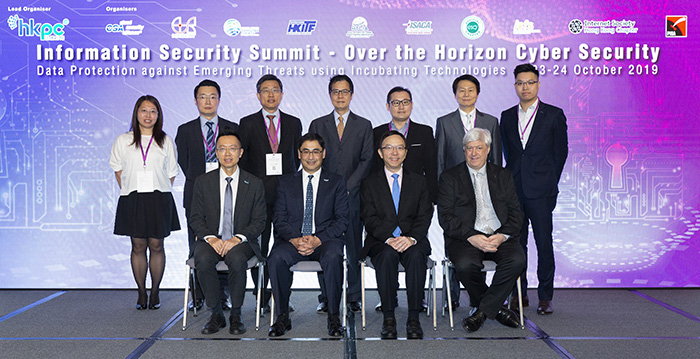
[158, 134]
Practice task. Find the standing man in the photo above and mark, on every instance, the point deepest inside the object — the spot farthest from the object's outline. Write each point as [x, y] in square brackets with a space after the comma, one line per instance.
[480, 214]
[535, 146]
[397, 212]
[268, 139]
[349, 154]
[196, 153]
[449, 133]
[228, 215]
[311, 215]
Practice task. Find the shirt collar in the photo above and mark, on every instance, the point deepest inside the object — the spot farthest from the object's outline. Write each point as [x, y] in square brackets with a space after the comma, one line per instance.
[203, 121]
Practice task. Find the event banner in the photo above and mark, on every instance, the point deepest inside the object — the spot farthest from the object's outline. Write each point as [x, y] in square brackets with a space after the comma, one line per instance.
[625, 73]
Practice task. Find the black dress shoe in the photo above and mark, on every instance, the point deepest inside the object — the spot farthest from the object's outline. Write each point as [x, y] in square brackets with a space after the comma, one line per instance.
[322, 308]
[455, 305]
[154, 301]
[544, 307]
[474, 322]
[389, 328]
[513, 303]
[508, 318]
[237, 327]
[216, 322]
[141, 302]
[281, 326]
[355, 306]
[335, 329]
[413, 329]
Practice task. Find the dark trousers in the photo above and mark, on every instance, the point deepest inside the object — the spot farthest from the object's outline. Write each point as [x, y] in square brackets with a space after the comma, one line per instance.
[284, 255]
[205, 259]
[191, 241]
[538, 212]
[386, 264]
[468, 263]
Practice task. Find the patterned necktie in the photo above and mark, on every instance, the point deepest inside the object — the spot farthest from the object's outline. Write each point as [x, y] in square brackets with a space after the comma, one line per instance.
[227, 227]
[341, 127]
[211, 156]
[481, 223]
[308, 209]
[395, 194]
[272, 134]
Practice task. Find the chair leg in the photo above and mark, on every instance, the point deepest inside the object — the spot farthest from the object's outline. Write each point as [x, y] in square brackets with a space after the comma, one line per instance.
[446, 268]
[520, 304]
[345, 293]
[362, 277]
[187, 294]
[430, 286]
[434, 301]
[272, 309]
[259, 296]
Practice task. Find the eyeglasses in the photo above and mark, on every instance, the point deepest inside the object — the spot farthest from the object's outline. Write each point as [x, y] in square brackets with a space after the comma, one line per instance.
[314, 152]
[336, 92]
[228, 149]
[528, 83]
[397, 103]
[207, 97]
[390, 148]
[145, 112]
[273, 91]
[464, 91]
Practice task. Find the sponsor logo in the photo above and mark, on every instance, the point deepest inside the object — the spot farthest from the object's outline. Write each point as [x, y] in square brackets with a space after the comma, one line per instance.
[45, 31]
[598, 27]
[676, 25]
[301, 27]
[472, 27]
[125, 27]
[418, 27]
[184, 31]
[526, 27]
[232, 27]
[359, 29]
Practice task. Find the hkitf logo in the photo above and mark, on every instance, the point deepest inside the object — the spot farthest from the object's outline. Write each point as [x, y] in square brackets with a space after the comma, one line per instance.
[301, 27]
[45, 31]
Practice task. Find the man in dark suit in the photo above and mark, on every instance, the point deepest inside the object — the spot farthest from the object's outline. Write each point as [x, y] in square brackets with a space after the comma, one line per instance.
[535, 146]
[479, 212]
[228, 215]
[268, 139]
[196, 155]
[310, 219]
[397, 212]
[348, 153]
[421, 157]
[450, 130]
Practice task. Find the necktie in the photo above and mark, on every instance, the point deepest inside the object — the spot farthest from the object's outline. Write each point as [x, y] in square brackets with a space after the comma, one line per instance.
[308, 209]
[272, 134]
[210, 142]
[341, 127]
[481, 223]
[395, 194]
[227, 227]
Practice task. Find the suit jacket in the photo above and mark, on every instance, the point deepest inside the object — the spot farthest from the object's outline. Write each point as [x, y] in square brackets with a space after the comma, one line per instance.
[449, 133]
[421, 157]
[536, 168]
[330, 207]
[457, 203]
[249, 211]
[351, 157]
[255, 144]
[190, 153]
[380, 217]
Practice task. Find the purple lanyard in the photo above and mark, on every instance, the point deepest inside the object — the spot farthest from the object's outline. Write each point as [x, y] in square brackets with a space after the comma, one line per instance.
[522, 131]
[144, 155]
[210, 148]
[405, 132]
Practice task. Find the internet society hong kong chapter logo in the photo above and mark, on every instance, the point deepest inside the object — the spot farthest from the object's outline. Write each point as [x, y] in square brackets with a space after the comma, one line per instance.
[233, 27]
[472, 27]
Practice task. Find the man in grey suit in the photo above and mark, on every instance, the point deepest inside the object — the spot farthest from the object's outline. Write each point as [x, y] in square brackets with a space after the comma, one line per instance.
[228, 215]
[348, 153]
[450, 130]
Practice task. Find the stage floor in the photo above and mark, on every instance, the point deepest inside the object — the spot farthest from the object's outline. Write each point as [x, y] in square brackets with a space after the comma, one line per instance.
[587, 323]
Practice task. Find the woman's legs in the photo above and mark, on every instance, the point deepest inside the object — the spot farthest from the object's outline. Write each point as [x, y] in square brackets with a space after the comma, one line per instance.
[157, 267]
[139, 266]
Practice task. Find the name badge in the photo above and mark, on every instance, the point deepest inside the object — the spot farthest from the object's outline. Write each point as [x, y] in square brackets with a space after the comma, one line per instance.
[144, 181]
[273, 164]
[212, 166]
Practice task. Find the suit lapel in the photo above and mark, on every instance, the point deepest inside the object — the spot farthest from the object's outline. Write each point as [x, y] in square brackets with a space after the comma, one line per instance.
[456, 124]
[384, 190]
[241, 198]
[214, 183]
[323, 188]
[537, 124]
[262, 127]
[329, 123]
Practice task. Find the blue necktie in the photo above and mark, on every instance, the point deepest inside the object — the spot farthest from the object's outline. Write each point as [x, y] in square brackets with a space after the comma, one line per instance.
[210, 142]
[395, 193]
[227, 227]
[308, 209]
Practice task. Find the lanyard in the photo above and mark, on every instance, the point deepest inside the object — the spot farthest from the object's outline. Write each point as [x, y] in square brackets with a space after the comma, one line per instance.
[522, 130]
[210, 148]
[144, 155]
[405, 132]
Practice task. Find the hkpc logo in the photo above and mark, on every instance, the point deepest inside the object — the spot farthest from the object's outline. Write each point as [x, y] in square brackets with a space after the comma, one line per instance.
[45, 31]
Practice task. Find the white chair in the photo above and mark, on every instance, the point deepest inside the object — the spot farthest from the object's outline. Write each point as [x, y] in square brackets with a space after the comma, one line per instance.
[315, 266]
[222, 267]
[489, 266]
[367, 262]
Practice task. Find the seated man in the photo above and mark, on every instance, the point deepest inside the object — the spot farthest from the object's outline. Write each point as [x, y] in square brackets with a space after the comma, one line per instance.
[226, 201]
[396, 209]
[480, 214]
[310, 217]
